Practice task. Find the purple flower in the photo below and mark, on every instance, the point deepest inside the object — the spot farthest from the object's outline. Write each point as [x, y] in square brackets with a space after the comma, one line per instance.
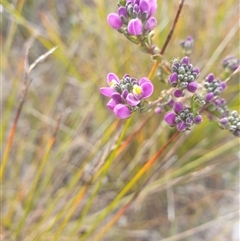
[187, 45]
[224, 121]
[178, 93]
[111, 104]
[230, 63]
[183, 77]
[173, 79]
[114, 21]
[182, 117]
[209, 96]
[170, 118]
[158, 110]
[232, 123]
[192, 87]
[112, 81]
[135, 27]
[134, 17]
[198, 119]
[122, 111]
[126, 94]
[214, 87]
[151, 24]
[221, 107]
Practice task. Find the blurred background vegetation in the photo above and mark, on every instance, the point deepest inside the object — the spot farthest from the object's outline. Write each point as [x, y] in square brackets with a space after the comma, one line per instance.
[70, 157]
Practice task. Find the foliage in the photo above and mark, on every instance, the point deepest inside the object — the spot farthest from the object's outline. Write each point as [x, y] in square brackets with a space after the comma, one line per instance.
[70, 170]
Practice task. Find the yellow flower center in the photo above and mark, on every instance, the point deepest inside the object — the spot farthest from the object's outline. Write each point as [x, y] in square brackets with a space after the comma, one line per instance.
[113, 83]
[137, 90]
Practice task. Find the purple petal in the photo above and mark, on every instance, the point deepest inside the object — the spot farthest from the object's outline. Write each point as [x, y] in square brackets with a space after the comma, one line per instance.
[171, 102]
[192, 87]
[158, 110]
[176, 65]
[170, 118]
[217, 102]
[114, 21]
[210, 78]
[173, 79]
[112, 78]
[142, 80]
[144, 7]
[122, 12]
[131, 100]
[196, 70]
[111, 104]
[125, 93]
[190, 38]
[116, 97]
[178, 107]
[185, 60]
[178, 93]
[198, 119]
[223, 85]
[107, 91]
[209, 96]
[136, 8]
[122, 111]
[224, 121]
[181, 126]
[151, 23]
[152, 6]
[147, 88]
[135, 27]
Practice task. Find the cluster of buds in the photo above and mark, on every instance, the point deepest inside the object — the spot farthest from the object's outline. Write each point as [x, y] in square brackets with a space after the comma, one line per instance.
[183, 77]
[127, 95]
[182, 117]
[134, 17]
[187, 45]
[214, 87]
[232, 123]
[220, 106]
[230, 63]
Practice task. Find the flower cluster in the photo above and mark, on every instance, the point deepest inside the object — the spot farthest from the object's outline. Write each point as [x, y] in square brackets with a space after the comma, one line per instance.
[134, 17]
[183, 76]
[230, 63]
[220, 106]
[214, 87]
[232, 123]
[182, 117]
[127, 95]
[187, 44]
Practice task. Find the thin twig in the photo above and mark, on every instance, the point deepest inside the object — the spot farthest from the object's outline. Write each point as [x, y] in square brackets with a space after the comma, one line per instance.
[173, 27]
[168, 39]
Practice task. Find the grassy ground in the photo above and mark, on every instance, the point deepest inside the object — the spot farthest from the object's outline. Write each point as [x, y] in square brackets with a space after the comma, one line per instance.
[74, 172]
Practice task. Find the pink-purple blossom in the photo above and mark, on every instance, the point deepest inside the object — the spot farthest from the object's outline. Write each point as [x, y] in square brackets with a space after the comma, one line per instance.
[230, 63]
[187, 44]
[182, 117]
[183, 77]
[232, 123]
[214, 87]
[126, 94]
[134, 17]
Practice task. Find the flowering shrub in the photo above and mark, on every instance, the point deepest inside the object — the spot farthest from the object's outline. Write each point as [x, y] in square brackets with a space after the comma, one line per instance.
[135, 20]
